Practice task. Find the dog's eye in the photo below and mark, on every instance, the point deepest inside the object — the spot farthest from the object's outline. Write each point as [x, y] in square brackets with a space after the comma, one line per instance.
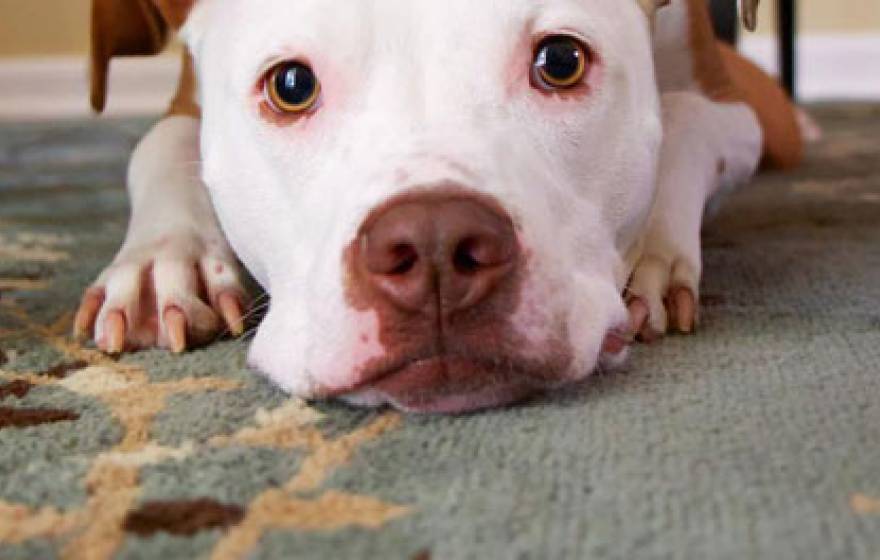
[560, 62]
[292, 87]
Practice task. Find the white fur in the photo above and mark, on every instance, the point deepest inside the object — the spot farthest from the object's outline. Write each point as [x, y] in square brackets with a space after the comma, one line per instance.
[422, 90]
[172, 237]
[418, 94]
[708, 148]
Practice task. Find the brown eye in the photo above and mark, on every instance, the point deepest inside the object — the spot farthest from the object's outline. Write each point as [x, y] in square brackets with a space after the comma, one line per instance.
[292, 87]
[560, 62]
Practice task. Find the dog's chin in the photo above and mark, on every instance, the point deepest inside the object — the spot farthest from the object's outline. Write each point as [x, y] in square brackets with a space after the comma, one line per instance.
[449, 385]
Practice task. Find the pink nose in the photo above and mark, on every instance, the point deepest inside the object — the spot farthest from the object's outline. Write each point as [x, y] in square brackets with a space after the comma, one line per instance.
[451, 252]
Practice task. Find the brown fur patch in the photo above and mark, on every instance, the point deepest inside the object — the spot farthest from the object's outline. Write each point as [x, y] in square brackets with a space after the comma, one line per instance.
[26, 417]
[18, 388]
[783, 143]
[182, 517]
[175, 11]
[709, 68]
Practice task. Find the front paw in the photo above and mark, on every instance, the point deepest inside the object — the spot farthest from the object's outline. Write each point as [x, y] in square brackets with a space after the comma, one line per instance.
[176, 292]
[663, 294]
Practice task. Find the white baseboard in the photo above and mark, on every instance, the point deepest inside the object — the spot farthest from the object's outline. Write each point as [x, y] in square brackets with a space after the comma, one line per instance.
[830, 67]
[58, 87]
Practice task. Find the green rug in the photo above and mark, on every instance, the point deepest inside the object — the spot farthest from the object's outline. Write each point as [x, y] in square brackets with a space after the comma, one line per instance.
[758, 438]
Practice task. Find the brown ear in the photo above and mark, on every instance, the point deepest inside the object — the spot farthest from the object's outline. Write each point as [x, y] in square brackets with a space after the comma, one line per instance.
[122, 28]
[175, 11]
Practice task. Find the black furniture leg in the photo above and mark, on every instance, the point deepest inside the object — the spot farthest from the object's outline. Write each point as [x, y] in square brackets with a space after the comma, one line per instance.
[787, 54]
[725, 20]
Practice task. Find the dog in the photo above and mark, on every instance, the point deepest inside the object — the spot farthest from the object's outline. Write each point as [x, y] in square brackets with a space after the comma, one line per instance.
[453, 205]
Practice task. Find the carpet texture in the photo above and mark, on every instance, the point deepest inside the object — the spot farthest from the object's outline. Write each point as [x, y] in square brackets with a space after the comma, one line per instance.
[758, 438]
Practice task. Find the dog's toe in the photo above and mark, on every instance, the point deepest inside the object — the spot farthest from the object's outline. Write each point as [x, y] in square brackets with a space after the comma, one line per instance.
[162, 297]
[663, 297]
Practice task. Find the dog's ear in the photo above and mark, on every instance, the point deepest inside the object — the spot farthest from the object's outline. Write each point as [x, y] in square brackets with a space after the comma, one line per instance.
[122, 28]
[129, 28]
[175, 11]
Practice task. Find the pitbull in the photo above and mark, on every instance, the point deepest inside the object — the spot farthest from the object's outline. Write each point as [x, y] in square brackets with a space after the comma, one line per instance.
[452, 204]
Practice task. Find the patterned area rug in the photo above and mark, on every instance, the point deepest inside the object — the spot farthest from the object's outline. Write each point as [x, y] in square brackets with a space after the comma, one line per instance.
[758, 438]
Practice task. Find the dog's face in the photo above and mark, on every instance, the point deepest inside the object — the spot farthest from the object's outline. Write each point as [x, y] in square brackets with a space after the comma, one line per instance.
[444, 226]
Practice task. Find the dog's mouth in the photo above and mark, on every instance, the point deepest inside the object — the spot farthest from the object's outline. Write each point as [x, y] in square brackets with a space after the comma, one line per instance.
[452, 383]
[448, 382]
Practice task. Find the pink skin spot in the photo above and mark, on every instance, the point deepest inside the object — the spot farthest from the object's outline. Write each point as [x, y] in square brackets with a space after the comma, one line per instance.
[219, 269]
[365, 339]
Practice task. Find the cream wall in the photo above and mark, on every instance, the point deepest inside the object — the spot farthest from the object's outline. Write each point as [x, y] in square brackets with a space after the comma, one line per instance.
[828, 16]
[43, 27]
[53, 27]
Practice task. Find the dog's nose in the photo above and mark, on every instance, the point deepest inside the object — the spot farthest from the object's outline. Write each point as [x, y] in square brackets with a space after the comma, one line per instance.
[452, 252]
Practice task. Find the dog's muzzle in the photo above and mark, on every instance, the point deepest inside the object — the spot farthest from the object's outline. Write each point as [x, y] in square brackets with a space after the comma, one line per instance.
[443, 271]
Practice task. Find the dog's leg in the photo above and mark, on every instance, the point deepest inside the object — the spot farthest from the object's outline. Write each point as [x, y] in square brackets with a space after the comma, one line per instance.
[709, 147]
[175, 280]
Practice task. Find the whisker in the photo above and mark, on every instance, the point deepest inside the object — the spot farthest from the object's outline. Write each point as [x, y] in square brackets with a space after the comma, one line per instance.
[259, 304]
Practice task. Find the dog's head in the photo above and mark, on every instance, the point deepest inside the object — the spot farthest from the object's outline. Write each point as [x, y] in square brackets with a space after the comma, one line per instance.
[440, 197]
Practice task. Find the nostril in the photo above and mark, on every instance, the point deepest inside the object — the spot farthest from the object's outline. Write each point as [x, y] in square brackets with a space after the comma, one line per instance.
[403, 258]
[452, 251]
[465, 258]
[475, 253]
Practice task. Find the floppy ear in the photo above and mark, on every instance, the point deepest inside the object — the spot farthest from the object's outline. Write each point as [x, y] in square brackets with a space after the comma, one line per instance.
[175, 11]
[122, 28]
[129, 28]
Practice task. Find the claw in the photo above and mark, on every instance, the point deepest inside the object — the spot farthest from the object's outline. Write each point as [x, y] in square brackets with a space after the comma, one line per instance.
[84, 322]
[638, 315]
[685, 309]
[175, 323]
[114, 326]
[230, 309]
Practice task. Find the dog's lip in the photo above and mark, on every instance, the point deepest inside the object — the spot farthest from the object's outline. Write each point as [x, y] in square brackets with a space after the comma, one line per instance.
[617, 340]
[508, 369]
[455, 384]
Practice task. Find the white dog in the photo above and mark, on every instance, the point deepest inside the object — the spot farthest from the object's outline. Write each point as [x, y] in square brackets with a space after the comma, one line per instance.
[452, 204]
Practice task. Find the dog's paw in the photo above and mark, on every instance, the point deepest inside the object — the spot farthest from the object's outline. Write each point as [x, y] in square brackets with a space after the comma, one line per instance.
[177, 292]
[663, 296]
